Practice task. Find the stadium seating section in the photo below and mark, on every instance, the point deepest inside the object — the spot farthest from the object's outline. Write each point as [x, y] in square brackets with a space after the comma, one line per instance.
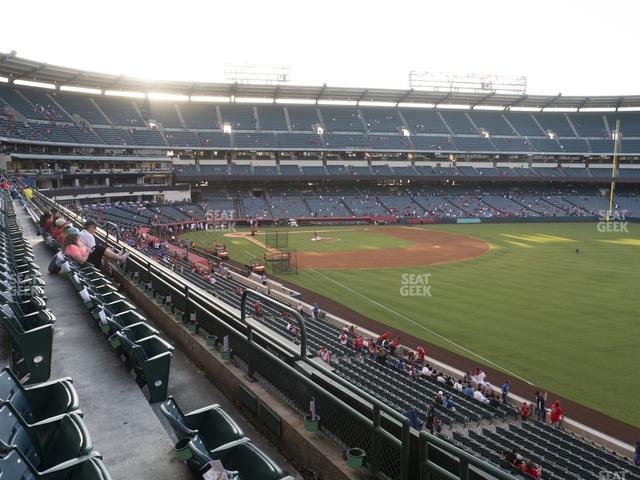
[75, 118]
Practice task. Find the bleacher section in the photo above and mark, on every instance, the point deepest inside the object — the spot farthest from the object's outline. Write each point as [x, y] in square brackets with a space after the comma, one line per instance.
[50, 116]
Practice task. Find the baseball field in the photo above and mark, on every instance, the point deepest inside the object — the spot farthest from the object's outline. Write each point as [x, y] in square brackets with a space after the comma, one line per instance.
[554, 304]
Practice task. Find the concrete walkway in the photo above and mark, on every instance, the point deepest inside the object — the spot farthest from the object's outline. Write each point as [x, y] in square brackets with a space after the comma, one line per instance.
[121, 423]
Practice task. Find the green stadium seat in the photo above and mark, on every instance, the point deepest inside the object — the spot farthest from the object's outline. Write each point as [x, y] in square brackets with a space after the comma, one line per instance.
[46, 446]
[244, 457]
[33, 335]
[212, 423]
[151, 360]
[44, 402]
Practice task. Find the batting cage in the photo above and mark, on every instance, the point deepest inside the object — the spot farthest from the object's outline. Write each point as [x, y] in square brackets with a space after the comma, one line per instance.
[283, 261]
[277, 240]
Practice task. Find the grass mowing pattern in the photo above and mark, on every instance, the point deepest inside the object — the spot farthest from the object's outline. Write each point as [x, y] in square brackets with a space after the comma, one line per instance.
[565, 321]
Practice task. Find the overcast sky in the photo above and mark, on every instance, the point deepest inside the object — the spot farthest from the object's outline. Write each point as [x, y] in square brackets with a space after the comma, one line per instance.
[574, 47]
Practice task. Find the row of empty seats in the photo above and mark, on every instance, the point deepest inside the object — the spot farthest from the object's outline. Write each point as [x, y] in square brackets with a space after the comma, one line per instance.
[42, 434]
[210, 434]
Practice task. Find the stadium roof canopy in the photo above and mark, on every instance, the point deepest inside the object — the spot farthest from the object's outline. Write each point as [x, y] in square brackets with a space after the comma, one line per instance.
[16, 68]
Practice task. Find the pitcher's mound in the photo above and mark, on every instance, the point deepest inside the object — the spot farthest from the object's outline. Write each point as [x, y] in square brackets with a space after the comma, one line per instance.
[326, 239]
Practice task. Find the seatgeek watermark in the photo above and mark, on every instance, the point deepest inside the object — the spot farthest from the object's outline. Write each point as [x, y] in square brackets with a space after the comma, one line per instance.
[611, 475]
[415, 285]
[615, 223]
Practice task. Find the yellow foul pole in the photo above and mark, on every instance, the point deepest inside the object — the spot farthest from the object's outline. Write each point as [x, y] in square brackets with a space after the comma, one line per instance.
[614, 170]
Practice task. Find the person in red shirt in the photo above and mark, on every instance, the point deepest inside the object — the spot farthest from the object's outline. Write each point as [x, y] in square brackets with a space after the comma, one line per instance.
[394, 344]
[524, 411]
[420, 351]
[556, 413]
[383, 337]
[372, 349]
[56, 231]
[358, 343]
[257, 308]
[531, 469]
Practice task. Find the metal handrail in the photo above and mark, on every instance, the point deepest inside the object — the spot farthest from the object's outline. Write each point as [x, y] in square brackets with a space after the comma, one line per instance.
[428, 467]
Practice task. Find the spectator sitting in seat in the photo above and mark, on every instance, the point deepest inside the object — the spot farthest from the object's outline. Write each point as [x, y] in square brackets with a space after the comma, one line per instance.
[74, 248]
[479, 396]
[439, 398]
[97, 251]
[468, 391]
[440, 378]
[514, 458]
[426, 371]
[448, 403]
[56, 230]
[457, 385]
[493, 400]
[400, 365]
[531, 469]
[509, 455]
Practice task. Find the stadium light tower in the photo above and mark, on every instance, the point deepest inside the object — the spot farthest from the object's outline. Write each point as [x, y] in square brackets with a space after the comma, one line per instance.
[257, 74]
[467, 82]
[614, 169]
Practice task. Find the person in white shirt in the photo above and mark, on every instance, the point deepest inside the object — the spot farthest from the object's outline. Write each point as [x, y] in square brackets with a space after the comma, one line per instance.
[480, 376]
[97, 251]
[457, 386]
[479, 396]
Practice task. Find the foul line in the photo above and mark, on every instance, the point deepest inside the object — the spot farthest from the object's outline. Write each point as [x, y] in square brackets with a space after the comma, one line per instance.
[413, 322]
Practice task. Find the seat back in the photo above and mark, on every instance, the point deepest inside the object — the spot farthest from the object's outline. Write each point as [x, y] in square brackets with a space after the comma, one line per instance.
[70, 439]
[11, 391]
[250, 461]
[13, 467]
[92, 469]
[216, 428]
[154, 346]
[177, 418]
[14, 433]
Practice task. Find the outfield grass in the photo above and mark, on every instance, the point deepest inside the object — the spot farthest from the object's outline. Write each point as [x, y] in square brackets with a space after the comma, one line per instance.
[565, 321]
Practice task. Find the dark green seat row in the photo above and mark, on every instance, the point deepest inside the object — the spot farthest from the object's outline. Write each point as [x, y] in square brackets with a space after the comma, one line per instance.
[139, 344]
[52, 450]
[23, 312]
[39, 403]
[210, 434]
